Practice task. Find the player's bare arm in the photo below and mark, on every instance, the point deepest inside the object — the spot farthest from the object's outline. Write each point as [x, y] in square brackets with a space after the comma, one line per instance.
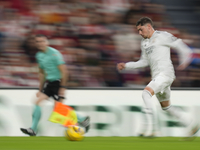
[41, 81]
[184, 52]
[64, 77]
[183, 66]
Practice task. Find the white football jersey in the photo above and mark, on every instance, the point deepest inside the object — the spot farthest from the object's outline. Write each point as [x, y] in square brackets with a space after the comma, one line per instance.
[156, 54]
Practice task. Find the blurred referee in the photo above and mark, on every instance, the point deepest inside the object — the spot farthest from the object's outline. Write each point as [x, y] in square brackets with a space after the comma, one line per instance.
[52, 81]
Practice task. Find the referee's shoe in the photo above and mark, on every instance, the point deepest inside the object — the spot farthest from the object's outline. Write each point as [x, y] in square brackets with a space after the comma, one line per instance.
[28, 131]
[86, 123]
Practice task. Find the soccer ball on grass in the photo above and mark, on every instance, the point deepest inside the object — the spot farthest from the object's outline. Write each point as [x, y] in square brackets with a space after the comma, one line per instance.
[74, 133]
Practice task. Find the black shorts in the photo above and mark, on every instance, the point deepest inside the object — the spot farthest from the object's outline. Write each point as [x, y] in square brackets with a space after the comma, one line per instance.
[51, 89]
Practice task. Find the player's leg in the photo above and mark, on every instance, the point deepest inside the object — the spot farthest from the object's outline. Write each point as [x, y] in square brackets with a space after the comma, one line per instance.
[146, 96]
[148, 112]
[37, 111]
[164, 99]
[35, 116]
[157, 85]
[166, 106]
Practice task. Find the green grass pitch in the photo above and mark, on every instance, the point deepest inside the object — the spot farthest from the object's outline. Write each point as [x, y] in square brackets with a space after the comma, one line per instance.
[97, 143]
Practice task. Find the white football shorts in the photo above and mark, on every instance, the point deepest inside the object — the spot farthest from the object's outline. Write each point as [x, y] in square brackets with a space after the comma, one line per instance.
[161, 86]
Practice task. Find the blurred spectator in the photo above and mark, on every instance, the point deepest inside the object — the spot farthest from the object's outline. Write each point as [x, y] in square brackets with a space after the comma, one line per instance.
[92, 35]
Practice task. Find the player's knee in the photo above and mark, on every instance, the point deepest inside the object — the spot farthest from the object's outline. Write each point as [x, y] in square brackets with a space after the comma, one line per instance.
[41, 98]
[38, 101]
[149, 89]
[146, 93]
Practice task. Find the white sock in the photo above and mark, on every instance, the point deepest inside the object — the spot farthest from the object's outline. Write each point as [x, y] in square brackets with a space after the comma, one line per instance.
[146, 95]
[178, 114]
[148, 111]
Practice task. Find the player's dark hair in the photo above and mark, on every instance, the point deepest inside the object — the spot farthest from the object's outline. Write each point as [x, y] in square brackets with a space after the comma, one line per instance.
[143, 21]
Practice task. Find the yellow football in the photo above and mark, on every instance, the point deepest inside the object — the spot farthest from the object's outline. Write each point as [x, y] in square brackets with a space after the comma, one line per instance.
[74, 133]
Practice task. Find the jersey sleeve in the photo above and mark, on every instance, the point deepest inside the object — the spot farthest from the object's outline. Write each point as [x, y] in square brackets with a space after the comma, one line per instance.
[143, 62]
[38, 61]
[184, 52]
[58, 59]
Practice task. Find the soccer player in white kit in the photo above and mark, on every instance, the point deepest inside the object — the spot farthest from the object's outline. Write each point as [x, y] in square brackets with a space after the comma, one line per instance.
[155, 47]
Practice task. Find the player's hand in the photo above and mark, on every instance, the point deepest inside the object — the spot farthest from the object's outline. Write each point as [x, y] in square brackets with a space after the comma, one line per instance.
[120, 66]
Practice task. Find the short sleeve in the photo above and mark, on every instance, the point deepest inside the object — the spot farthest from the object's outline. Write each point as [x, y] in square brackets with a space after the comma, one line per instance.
[183, 50]
[170, 40]
[38, 61]
[58, 58]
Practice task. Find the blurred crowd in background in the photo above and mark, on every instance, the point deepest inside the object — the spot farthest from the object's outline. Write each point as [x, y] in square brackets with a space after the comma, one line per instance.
[93, 36]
